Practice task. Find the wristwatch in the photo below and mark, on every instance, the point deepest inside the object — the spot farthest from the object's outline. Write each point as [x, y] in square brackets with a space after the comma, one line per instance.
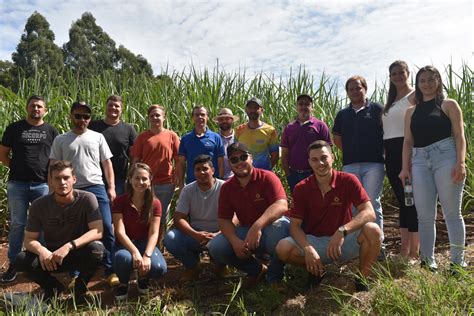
[146, 255]
[343, 230]
[73, 244]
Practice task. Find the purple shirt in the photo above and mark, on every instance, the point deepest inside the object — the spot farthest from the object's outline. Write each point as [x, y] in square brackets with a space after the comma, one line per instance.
[227, 140]
[297, 137]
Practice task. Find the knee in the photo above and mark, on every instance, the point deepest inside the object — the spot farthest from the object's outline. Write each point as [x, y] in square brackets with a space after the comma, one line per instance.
[122, 257]
[284, 250]
[96, 250]
[371, 233]
[218, 246]
[170, 240]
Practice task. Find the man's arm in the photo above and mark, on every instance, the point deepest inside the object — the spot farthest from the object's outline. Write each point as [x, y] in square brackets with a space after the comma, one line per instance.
[271, 214]
[311, 256]
[274, 156]
[5, 155]
[337, 141]
[220, 163]
[203, 237]
[110, 177]
[284, 161]
[180, 169]
[94, 233]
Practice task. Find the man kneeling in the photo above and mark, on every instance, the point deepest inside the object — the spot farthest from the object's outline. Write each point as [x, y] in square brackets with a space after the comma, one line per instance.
[324, 202]
[71, 224]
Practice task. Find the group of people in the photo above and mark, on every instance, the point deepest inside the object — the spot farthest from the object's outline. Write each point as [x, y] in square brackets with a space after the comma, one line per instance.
[110, 189]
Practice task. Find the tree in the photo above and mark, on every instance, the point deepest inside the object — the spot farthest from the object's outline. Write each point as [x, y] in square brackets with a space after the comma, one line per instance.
[90, 50]
[7, 71]
[127, 62]
[36, 51]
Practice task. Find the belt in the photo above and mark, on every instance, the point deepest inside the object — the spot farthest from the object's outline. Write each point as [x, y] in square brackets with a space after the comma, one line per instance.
[300, 171]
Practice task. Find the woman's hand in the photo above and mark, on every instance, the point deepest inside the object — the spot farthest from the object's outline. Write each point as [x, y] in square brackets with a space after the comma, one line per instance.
[137, 260]
[145, 266]
[458, 174]
[403, 175]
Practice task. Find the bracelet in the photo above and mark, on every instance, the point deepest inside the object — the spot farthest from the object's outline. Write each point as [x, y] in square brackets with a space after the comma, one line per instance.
[73, 244]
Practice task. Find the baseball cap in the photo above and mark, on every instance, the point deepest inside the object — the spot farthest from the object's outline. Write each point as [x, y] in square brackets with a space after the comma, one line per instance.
[254, 100]
[81, 104]
[301, 96]
[235, 147]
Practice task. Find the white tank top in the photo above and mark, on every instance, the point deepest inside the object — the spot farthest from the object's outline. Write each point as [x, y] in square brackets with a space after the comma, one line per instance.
[394, 121]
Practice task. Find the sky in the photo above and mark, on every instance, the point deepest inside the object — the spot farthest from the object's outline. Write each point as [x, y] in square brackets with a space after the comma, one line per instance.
[340, 38]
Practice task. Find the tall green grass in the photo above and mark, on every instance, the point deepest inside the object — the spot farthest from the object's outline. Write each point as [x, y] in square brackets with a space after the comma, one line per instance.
[214, 88]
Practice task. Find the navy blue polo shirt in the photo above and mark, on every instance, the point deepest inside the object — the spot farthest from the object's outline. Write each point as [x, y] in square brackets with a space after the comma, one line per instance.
[191, 146]
[361, 132]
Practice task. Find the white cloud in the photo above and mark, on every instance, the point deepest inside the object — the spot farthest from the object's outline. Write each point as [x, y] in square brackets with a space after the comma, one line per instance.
[341, 38]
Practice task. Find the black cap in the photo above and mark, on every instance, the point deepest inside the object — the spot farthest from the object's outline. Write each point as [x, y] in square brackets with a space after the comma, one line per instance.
[81, 104]
[301, 96]
[235, 147]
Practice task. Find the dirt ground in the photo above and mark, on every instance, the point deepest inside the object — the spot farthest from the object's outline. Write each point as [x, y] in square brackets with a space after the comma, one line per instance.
[209, 290]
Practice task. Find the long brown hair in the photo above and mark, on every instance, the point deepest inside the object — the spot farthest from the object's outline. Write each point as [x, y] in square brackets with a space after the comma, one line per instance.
[392, 90]
[439, 91]
[147, 213]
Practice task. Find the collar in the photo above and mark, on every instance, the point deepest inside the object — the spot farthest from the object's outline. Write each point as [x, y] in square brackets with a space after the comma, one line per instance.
[205, 132]
[253, 177]
[366, 105]
[227, 137]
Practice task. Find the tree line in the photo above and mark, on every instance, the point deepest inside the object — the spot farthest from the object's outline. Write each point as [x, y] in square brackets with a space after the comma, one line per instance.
[89, 51]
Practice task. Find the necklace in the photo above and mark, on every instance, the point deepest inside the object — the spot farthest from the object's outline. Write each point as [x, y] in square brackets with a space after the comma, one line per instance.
[206, 194]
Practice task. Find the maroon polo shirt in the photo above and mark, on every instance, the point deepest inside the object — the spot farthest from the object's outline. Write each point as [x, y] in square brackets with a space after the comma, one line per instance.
[324, 215]
[250, 202]
[135, 228]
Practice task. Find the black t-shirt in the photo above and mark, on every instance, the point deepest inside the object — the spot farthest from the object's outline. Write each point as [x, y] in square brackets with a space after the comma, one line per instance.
[120, 139]
[30, 146]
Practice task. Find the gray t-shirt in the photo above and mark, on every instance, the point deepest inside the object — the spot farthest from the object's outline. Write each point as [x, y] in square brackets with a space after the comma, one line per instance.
[61, 224]
[200, 206]
[85, 152]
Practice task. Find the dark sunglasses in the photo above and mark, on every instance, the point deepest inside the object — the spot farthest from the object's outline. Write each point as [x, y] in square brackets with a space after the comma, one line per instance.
[82, 116]
[236, 159]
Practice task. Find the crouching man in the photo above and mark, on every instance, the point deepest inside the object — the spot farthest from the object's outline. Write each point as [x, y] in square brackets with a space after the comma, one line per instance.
[324, 201]
[72, 228]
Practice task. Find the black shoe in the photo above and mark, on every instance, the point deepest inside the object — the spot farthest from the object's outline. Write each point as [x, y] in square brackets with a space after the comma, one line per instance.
[314, 280]
[382, 257]
[360, 284]
[9, 275]
[52, 291]
[425, 265]
[80, 290]
[456, 270]
[143, 285]
[121, 292]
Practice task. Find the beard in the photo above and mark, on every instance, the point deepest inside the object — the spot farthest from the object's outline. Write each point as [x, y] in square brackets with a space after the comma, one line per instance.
[225, 126]
[253, 116]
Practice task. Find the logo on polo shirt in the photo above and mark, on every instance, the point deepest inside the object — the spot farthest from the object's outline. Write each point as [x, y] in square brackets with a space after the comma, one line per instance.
[367, 115]
[258, 197]
[336, 201]
[208, 145]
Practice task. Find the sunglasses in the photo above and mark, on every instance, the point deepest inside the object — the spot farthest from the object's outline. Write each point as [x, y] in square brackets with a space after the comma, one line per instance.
[236, 159]
[82, 116]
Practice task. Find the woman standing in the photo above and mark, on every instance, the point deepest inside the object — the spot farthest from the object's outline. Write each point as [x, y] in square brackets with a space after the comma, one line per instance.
[400, 97]
[434, 154]
[136, 217]
[158, 148]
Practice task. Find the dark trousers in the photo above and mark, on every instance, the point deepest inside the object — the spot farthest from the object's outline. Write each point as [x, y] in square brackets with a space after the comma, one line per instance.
[86, 260]
[393, 166]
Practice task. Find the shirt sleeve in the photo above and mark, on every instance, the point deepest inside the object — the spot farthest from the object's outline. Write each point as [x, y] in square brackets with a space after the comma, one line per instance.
[132, 135]
[137, 149]
[274, 189]
[176, 145]
[182, 147]
[284, 138]
[33, 223]
[324, 132]
[93, 210]
[225, 210]
[220, 152]
[184, 201]
[104, 149]
[56, 152]
[157, 211]
[118, 205]
[299, 202]
[7, 138]
[358, 193]
[274, 141]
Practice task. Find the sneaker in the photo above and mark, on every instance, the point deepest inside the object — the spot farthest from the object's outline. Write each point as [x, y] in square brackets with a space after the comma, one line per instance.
[121, 292]
[191, 274]
[252, 281]
[222, 271]
[430, 267]
[360, 284]
[143, 285]
[113, 280]
[52, 291]
[314, 280]
[9, 275]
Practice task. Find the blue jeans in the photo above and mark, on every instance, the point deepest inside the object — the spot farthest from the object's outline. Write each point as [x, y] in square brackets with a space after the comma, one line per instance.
[431, 173]
[296, 177]
[164, 193]
[108, 237]
[123, 263]
[222, 252]
[183, 247]
[120, 186]
[20, 194]
[371, 175]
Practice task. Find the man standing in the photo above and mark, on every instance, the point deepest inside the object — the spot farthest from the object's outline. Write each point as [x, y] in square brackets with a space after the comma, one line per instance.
[88, 150]
[330, 233]
[358, 132]
[258, 200]
[260, 138]
[120, 137]
[296, 138]
[71, 225]
[29, 142]
[198, 202]
[199, 141]
[225, 119]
